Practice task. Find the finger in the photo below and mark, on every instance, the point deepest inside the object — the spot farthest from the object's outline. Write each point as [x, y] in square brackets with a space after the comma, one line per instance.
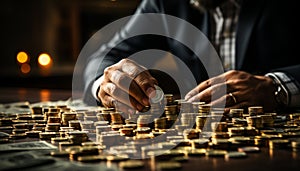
[215, 92]
[206, 84]
[122, 96]
[226, 100]
[141, 76]
[127, 84]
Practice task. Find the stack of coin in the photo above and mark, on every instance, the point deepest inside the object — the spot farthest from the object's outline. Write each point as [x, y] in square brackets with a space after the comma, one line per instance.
[156, 109]
[52, 119]
[37, 110]
[255, 121]
[83, 151]
[236, 131]
[188, 119]
[111, 139]
[236, 113]
[6, 122]
[255, 110]
[268, 120]
[144, 121]
[75, 124]
[22, 116]
[191, 134]
[104, 117]
[205, 109]
[160, 123]
[169, 99]
[116, 118]
[201, 122]
[171, 114]
[77, 137]
[66, 117]
[51, 114]
[48, 135]
[219, 126]
[196, 106]
[79, 116]
[100, 130]
[52, 127]
[87, 124]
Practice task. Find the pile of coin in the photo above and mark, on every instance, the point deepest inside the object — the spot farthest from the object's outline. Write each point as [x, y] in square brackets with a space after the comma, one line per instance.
[166, 132]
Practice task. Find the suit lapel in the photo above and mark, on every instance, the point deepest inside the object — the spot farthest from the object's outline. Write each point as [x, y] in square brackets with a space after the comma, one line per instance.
[250, 10]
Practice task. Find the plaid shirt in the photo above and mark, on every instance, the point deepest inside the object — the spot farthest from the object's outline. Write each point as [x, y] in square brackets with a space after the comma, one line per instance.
[223, 36]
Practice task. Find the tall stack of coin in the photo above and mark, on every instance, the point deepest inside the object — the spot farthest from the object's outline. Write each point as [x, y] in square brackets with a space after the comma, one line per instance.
[205, 109]
[171, 114]
[255, 110]
[200, 122]
[196, 106]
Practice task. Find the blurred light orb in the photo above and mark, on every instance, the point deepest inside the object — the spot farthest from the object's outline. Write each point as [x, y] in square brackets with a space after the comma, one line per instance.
[22, 57]
[44, 59]
[25, 68]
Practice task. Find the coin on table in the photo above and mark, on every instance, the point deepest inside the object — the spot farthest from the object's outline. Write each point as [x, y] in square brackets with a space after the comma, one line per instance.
[216, 153]
[92, 158]
[249, 149]
[235, 154]
[168, 165]
[131, 164]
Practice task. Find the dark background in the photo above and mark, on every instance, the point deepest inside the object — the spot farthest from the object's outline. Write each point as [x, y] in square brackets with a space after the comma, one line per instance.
[57, 27]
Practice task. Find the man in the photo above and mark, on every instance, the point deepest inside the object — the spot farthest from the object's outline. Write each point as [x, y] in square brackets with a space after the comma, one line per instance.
[256, 41]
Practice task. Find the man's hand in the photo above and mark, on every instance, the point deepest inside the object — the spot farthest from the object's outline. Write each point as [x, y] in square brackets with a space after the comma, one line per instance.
[126, 86]
[236, 89]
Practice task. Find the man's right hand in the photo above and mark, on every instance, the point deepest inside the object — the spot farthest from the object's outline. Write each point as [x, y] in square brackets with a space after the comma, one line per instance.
[126, 86]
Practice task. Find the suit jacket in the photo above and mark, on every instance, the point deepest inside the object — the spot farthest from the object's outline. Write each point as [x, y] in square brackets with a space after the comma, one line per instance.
[266, 40]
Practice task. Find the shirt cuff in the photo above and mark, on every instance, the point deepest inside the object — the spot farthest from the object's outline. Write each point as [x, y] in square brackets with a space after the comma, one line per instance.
[96, 86]
[292, 87]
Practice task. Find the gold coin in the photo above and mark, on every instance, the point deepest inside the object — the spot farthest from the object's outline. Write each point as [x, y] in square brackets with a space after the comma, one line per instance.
[168, 165]
[131, 164]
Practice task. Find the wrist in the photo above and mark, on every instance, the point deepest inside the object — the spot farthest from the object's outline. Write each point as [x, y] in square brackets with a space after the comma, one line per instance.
[280, 94]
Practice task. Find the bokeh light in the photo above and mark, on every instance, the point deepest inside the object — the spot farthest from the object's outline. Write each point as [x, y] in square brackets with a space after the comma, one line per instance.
[22, 57]
[25, 68]
[45, 59]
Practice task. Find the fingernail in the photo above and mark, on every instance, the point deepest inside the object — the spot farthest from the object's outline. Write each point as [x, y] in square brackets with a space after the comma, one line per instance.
[145, 101]
[150, 92]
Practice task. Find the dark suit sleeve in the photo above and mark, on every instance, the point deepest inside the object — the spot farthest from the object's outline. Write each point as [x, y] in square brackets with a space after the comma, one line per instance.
[112, 52]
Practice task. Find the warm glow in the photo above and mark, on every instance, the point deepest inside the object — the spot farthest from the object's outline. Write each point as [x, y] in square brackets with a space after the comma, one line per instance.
[25, 68]
[44, 59]
[22, 57]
